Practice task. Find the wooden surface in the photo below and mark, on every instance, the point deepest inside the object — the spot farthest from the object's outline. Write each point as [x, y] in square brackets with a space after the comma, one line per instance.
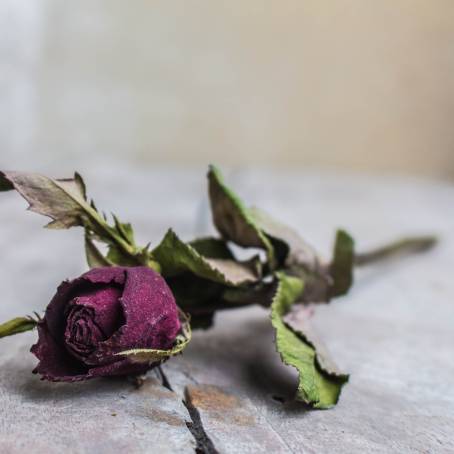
[394, 332]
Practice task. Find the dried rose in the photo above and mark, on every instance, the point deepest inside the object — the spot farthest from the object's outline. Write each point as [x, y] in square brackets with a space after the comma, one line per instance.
[102, 313]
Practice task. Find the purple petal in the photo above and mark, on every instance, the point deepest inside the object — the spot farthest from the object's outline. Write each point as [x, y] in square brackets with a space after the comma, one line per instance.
[82, 335]
[104, 302]
[151, 316]
[92, 318]
[55, 312]
[122, 367]
[147, 308]
[55, 364]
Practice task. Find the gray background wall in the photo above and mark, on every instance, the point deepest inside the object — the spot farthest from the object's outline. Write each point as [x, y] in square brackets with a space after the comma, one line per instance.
[357, 84]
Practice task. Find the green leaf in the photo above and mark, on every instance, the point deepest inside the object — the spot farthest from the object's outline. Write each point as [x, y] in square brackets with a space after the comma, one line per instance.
[201, 297]
[17, 325]
[341, 268]
[317, 387]
[252, 227]
[177, 257]
[233, 219]
[261, 294]
[286, 250]
[212, 248]
[151, 355]
[117, 257]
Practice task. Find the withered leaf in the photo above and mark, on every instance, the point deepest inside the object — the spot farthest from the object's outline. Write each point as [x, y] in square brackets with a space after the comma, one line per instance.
[317, 386]
[290, 248]
[177, 257]
[65, 202]
[286, 250]
[232, 218]
[298, 319]
[252, 227]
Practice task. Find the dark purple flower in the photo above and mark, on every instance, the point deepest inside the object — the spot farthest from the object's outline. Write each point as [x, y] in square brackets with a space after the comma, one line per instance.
[103, 312]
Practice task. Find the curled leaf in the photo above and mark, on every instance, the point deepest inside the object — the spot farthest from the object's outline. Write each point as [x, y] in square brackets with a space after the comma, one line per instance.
[286, 250]
[317, 386]
[298, 319]
[252, 227]
[290, 248]
[233, 219]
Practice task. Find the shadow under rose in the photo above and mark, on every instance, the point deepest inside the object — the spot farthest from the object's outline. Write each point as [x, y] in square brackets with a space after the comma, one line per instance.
[263, 367]
[242, 347]
[39, 390]
[266, 372]
[17, 378]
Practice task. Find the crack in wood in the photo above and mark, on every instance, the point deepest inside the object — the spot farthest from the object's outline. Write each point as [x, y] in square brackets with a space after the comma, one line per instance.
[204, 443]
[163, 377]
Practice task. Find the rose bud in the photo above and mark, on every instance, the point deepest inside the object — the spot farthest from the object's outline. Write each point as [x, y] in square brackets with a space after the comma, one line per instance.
[100, 314]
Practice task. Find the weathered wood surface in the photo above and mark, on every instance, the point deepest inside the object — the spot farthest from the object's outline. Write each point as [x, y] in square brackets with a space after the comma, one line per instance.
[394, 332]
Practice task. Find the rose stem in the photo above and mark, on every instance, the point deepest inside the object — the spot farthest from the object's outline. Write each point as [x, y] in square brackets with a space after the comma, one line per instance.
[400, 247]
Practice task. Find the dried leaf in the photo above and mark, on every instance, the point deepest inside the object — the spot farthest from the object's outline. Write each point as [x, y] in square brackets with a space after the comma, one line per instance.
[177, 257]
[251, 227]
[286, 250]
[298, 319]
[290, 248]
[233, 219]
[317, 387]
[65, 202]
